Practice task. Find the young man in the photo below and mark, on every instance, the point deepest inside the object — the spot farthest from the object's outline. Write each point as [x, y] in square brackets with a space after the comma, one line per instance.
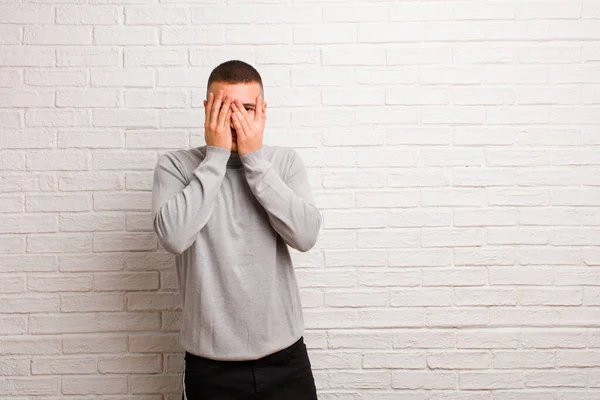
[228, 210]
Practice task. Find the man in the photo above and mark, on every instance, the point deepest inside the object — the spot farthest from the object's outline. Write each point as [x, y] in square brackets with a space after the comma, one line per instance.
[229, 210]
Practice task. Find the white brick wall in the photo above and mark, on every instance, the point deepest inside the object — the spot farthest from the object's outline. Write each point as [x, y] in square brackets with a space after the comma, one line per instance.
[452, 147]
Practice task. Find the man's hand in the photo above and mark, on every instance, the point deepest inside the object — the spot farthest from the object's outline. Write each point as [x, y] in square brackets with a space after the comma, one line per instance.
[217, 129]
[249, 130]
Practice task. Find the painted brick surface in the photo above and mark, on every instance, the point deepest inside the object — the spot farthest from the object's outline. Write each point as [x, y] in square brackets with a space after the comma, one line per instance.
[452, 147]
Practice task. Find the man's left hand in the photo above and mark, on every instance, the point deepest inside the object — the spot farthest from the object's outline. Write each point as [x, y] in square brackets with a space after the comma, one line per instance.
[249, 130]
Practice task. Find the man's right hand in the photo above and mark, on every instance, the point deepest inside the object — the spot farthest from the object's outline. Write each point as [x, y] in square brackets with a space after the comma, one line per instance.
[217, 128]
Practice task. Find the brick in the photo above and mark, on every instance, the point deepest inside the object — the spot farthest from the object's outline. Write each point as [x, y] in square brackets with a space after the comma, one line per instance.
[227, 15]
[57, 118]
[12, 283]
[26, 14]
[84, 222]
[330, 318]
[443, 380]
[63, 323]
[10, 77]
[421, 297]
[10, 35]
[59, 243]
[87, 15]
[393, 360]
[404, 277]
[34, 223]
[33, 182]
[30, 345]
[28, 138]
[490, 380]
[175, 35]
[27, 56]
[325, 34]
[353, 179]
[63, 365]
[487, 338]
[156, 15]
[156, 99]
[64, 77]
[134, 364]
[126, 118]
[454, 276]
[562, 378]
[458, 360]
[359, 340]
[126, 35]
[343, 258]
[460, 317]
[353, 137]
[420, 258]
[99, 385]
[353, 55]
[287, 13]
[114, 281]
[88, 98]
[523, 359]
[57, 160]
[32, 303]
[61, 283]
[31, 386]
[154, 343]
[58, 35]
[127, 77]
[408, 198]
[89, 57]
[483, 53]
[98, 343]
[22, 263]
[327, 75]
[271, 54]
[144, 56]
[325, 278]
[356, 298]
[128, 321]
[122, 201]
[92, 302]
[548, 9]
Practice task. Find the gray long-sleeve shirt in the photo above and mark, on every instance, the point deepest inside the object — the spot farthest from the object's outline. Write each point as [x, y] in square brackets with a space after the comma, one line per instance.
[230, 219]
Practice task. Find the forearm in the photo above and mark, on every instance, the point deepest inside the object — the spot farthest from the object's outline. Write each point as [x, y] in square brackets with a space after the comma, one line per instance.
[177, 218]
[293, 216]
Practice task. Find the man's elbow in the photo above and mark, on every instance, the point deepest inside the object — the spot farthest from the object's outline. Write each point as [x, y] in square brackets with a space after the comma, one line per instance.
[171, 246]
[308, 241]
[171, 242]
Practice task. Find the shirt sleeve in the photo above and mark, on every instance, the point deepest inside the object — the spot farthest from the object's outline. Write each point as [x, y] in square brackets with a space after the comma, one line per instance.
[289, 203]
[180, 209]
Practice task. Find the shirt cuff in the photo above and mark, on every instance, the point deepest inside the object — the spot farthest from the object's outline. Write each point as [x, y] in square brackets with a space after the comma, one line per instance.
[217, 153]
[251, 159]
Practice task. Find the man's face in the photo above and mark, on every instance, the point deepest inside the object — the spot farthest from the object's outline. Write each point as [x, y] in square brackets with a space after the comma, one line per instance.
[245, 93]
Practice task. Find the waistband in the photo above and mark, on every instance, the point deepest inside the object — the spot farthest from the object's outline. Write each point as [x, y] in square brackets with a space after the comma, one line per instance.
[274, 357]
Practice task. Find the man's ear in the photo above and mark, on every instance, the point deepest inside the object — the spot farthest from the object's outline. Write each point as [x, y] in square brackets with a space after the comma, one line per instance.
[264, 110]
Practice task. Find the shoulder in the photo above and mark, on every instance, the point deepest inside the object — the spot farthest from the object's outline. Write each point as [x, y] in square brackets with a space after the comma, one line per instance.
[178, 162]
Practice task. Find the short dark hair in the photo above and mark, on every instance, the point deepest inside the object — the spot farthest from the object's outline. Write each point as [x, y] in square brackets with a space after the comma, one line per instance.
[234, 71]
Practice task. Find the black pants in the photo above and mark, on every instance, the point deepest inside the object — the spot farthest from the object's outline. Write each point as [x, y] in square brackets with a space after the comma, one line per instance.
[286, 375]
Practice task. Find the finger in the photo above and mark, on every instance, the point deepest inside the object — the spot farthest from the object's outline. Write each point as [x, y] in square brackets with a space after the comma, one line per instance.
[216, 108]
[224, 111]
[209, 104]
[258, 109]
[236, 124]
[242, 109]
[241, 119]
